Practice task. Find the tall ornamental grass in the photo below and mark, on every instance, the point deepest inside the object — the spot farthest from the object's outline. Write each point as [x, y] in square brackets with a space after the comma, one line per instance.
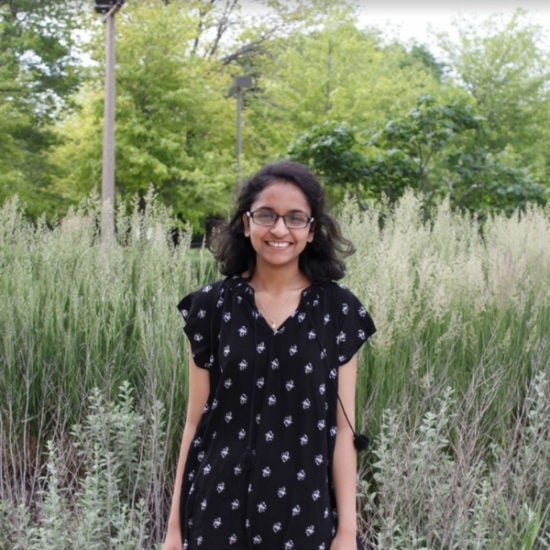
[454, 302]
[453, 389]
[76, 317]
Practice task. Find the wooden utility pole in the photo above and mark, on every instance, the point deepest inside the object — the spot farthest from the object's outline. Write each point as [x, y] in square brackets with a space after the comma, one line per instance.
[240, 82]
[108, 172]
[108, 8]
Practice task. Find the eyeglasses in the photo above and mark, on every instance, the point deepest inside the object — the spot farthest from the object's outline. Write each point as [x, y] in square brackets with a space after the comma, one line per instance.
[268, 218]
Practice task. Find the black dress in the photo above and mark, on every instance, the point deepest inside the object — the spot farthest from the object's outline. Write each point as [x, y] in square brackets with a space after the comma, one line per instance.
[258, 472]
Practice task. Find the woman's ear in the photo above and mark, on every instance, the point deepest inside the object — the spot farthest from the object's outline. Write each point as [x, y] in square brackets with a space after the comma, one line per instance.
[246, 225]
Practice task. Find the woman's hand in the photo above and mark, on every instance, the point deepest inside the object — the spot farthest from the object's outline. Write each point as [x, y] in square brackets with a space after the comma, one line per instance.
[344, 541]
[173, 540]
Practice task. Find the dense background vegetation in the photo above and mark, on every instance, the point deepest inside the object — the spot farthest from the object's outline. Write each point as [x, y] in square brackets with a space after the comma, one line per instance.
[439, 169]
[373, 117]
[454, 388]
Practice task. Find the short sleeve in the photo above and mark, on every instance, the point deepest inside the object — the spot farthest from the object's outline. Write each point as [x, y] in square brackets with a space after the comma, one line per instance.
[355, 325]
[200, 309]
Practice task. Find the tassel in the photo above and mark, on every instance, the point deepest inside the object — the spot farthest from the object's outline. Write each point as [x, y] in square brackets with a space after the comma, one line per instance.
[360, 441]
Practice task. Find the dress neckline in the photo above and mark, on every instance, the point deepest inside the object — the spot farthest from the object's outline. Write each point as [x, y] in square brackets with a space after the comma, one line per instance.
[243, 282]
[273, 327]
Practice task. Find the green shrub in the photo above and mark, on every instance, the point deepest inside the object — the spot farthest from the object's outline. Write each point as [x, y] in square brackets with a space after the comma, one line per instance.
[97, 490]
[432, 488]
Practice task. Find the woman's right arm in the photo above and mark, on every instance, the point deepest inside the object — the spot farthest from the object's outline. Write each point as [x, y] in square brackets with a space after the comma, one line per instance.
[198, 390]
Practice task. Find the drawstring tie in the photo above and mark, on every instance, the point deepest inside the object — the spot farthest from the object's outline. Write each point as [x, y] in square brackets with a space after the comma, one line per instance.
[247, 459]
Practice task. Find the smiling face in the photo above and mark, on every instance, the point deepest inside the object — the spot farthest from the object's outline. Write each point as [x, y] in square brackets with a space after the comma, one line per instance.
[278, 245]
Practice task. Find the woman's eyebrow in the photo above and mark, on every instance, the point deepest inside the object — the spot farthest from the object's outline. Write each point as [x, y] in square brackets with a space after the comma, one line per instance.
[291, 211]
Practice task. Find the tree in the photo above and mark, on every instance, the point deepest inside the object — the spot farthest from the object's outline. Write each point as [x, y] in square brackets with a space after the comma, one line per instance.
[174, 125]
[483, 183]
[332, 150]
[432, 150]
[38, 73]
[504, 67]
[175, 115]
[424, 135]
[332, 73]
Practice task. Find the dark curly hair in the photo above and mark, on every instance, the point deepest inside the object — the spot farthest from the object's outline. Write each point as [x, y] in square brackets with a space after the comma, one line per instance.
[322, 259]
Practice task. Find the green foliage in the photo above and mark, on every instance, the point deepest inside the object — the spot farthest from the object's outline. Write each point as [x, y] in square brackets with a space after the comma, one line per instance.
[37, 48]
[332, 150]
[433, 150]
[414, 147]
[433, 490]
[315, 74]
[503, 64]
[38, 74]
[485, 183]
[174, 125]
[336, 73]
[421, 53]
[119, 463]
[171, 106]
[443, 143]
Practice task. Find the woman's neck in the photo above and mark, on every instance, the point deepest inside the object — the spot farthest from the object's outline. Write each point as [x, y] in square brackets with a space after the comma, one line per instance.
[278, 281]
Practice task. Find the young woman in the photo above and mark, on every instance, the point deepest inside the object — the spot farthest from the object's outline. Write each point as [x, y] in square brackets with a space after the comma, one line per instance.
[267, 458]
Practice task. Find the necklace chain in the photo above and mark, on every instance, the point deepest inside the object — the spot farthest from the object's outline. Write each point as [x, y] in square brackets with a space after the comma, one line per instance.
[274, 321]
[271, 321]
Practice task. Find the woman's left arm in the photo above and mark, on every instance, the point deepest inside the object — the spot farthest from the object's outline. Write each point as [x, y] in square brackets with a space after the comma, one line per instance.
[344, 469]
